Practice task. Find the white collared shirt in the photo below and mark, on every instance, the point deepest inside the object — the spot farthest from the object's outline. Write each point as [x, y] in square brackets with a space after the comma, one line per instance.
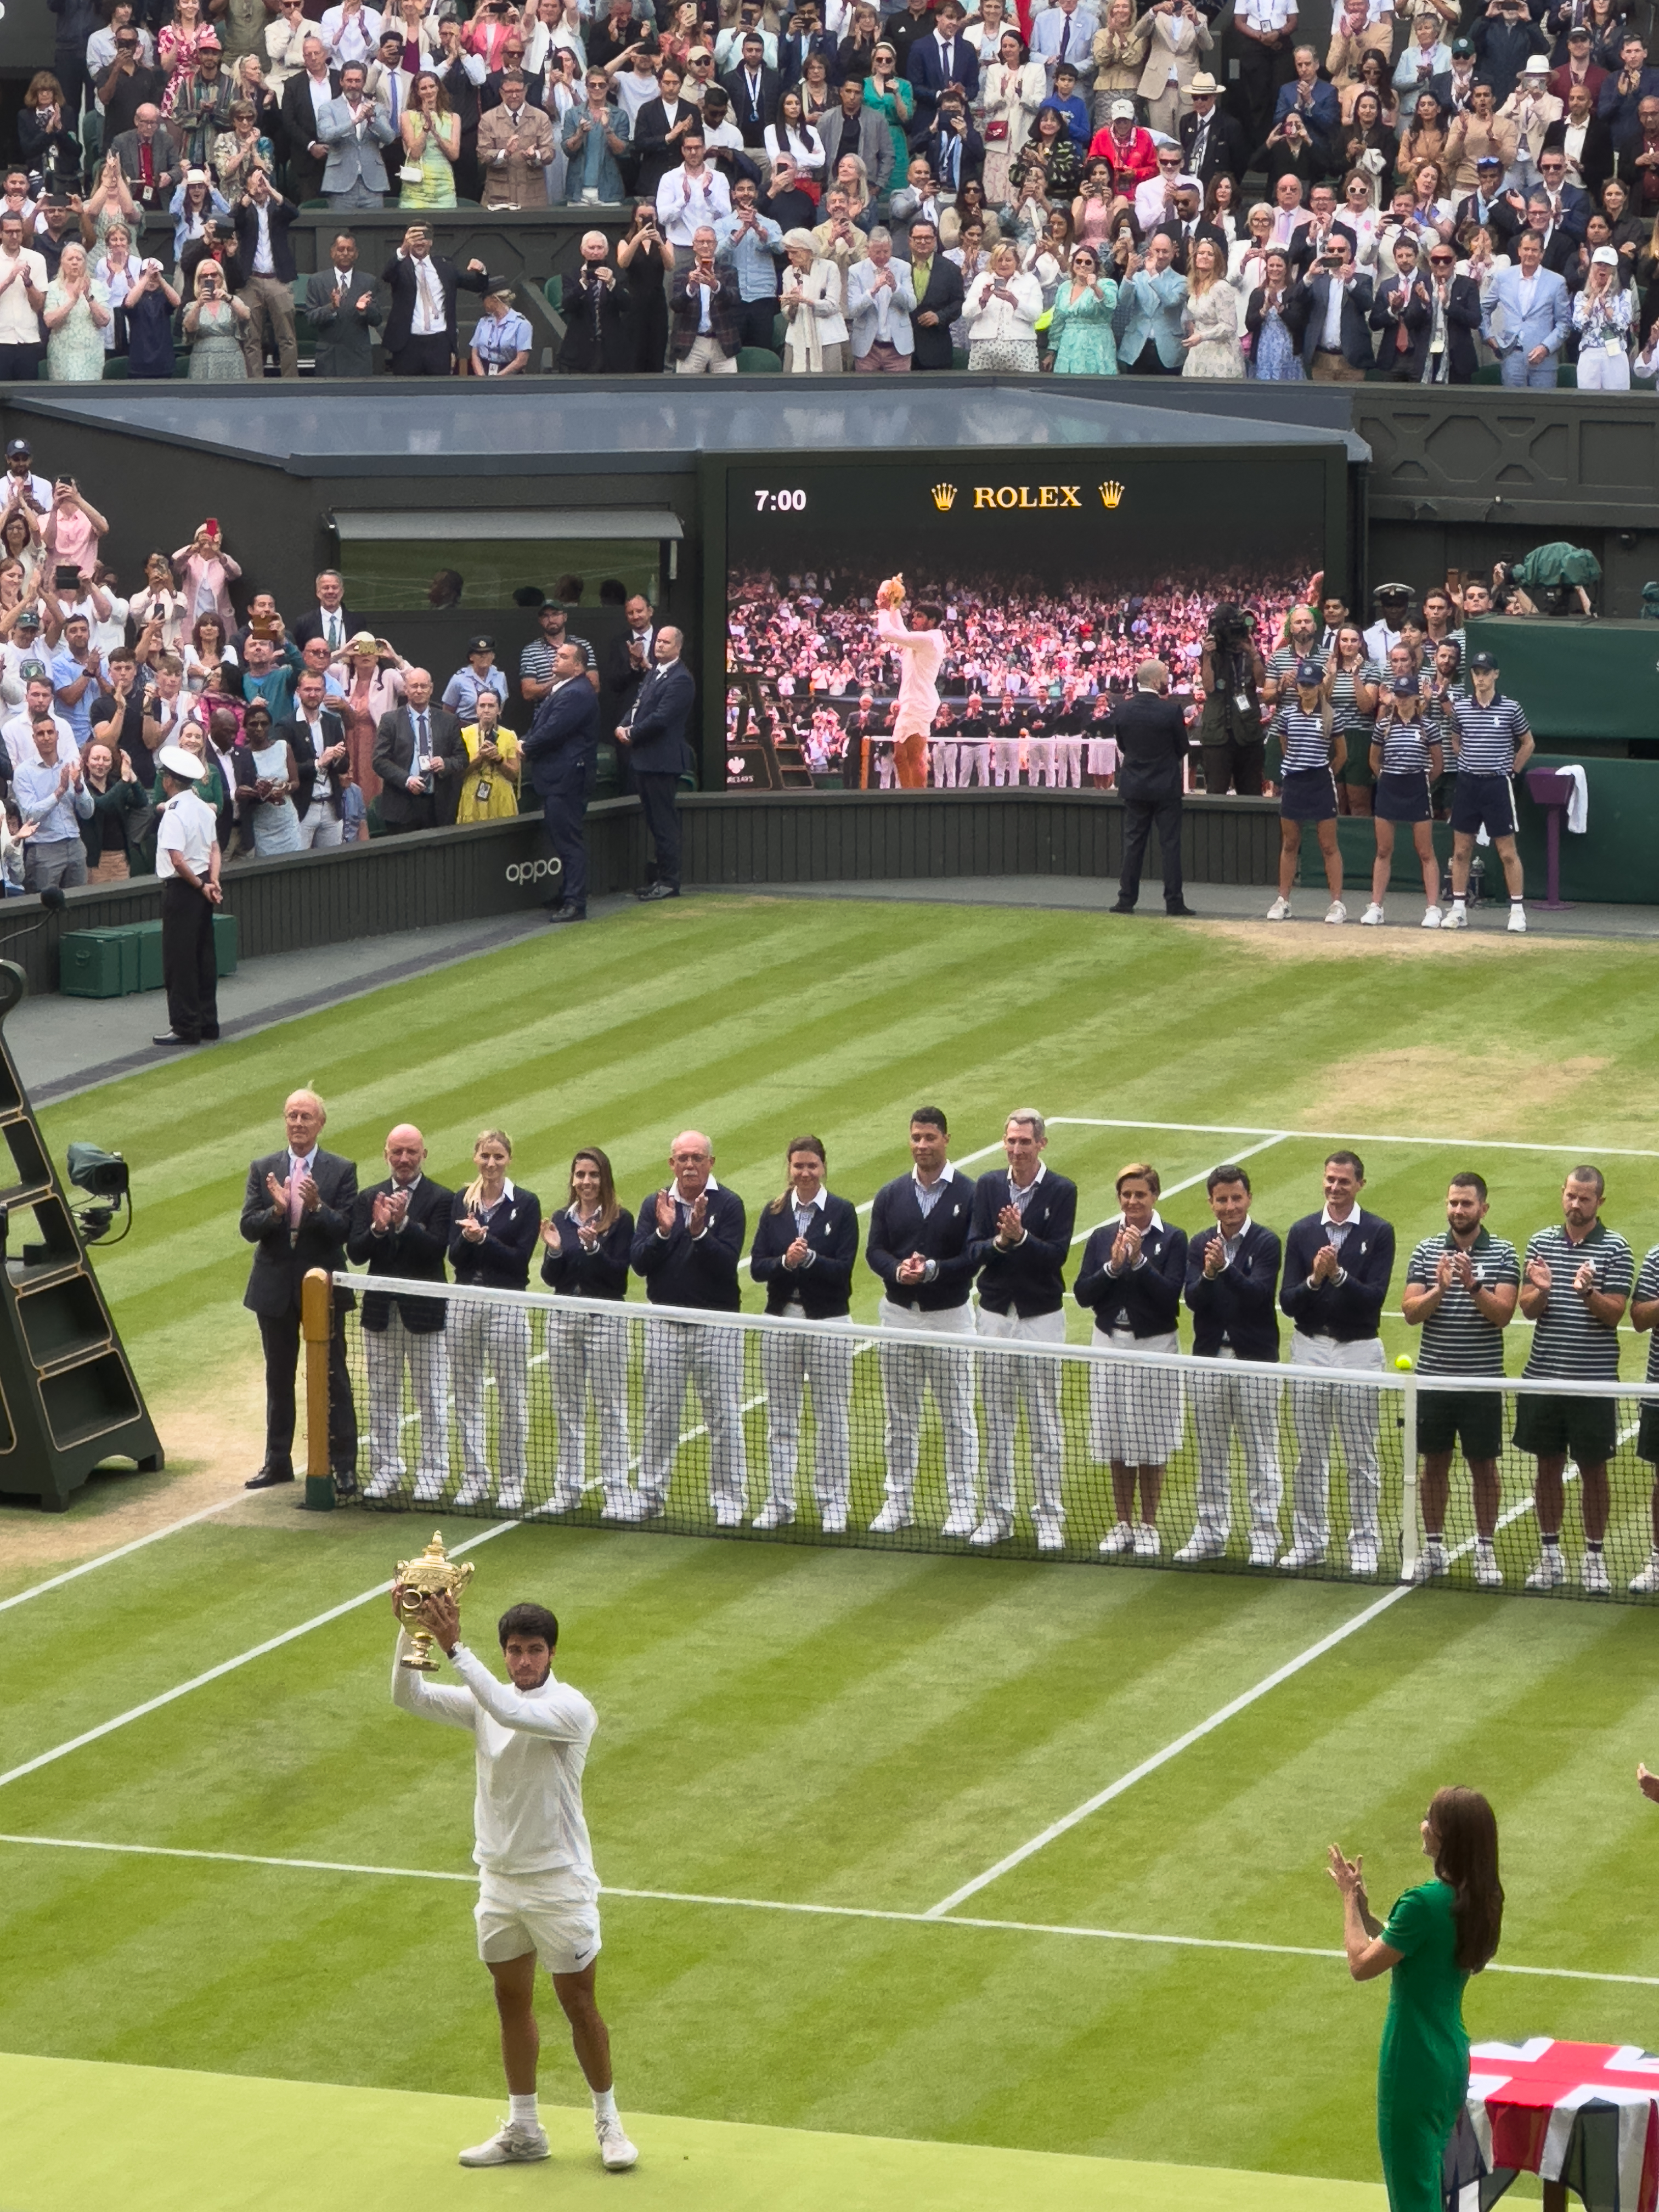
[263, 265]
[428, 322]
[1140, 1260]
[928, 1194]
[1230, 1244]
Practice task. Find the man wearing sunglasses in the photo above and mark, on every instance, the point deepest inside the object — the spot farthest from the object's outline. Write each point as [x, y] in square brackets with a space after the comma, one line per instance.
[1428, 319]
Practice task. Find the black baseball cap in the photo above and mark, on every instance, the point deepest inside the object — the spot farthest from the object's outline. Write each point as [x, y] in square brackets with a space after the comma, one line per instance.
[19, 450]
[1462, 49]
[481, 644]
[1405, 687]
[1310, 671]
[1485, 662]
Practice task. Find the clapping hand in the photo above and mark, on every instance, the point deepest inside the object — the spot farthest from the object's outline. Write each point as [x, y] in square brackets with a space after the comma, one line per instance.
[1126, 1248]
[473, 1229]
[1539, 1275]
[1011, 1229]
[699, 1220]
[668, 1212]
[1348, 1875]
[1326, 1263]
[278, 1193]
[311, 1198]
[912, 1270]
[796, 1255]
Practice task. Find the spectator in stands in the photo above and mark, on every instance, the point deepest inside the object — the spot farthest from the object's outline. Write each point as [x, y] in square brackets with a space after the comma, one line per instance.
[197, 199]
[22, 295]
[596, 140]
[750, 244]
[306, 97]
[421, 334]
[1536, 317]
[536, 677]
[50, 792]
[420, 759]
[76, 313]
[480, 674]
[47, 135]
[490, 791]
[1621, 94]
[1152, 302]
[706, 309]
[126, 81]
[515, 147]
[285, 39]
[880, 305]
[501, 338]
[316, 738]
[600, 337]
[431, 131]
[147, 160]
[355, 128]
[1001, 308]
[346, 306]
[118, 800]
[263, 218]
[815, 330]
[211, 329]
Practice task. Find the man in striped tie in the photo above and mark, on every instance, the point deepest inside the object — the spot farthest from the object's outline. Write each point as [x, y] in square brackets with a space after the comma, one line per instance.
[419, 756]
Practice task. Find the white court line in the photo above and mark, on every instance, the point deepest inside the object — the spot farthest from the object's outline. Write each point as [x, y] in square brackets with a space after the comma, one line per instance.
[121, 1552]
[1173, 1189]
[1348, 1136]
[776, 1905]
[228, 1666]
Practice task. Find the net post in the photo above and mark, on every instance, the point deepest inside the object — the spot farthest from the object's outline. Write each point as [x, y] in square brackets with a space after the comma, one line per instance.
[316, 1328]
[1409, 1543]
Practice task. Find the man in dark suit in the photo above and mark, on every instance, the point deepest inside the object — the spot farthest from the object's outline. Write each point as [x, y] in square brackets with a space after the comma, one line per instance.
[420, 324]
[1212, 140]
[1336, 346]
[561, 748]
[1441, 305]
[753, 90]
[920, 1226]
[1337, 1266]
[148, 146]
[420, 759]
[796, 48]
[657, 129]
[304, 96]
[936, 284]
[1502, 213]
[1186, 226]
[330, 619]
[1020, 1240]
[688, 1240]
[400, 1227]
[1595, 147]
[346, 306]
[1150, 731]
[630, 657]
[262, 218]
[654, 736]
[941, 60]
[296, 1211]
[1232, 1273]
[318, 739]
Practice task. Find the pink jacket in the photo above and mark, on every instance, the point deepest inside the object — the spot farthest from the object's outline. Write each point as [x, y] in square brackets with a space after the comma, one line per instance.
[199, 574]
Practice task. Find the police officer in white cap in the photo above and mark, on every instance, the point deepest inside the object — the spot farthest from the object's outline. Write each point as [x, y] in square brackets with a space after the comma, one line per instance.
[187, 863]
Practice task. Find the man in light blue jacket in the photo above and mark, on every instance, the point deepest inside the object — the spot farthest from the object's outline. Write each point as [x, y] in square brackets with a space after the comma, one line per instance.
[1148, 318]
[1527, 317]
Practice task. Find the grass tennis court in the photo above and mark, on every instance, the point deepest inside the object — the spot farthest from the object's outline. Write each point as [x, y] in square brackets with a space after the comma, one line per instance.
[786, 1728]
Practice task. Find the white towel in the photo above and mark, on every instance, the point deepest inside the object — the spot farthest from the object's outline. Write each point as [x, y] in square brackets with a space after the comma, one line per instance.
[1578, 805]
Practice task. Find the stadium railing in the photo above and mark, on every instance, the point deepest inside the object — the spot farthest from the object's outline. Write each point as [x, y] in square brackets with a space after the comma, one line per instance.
[598, 1469]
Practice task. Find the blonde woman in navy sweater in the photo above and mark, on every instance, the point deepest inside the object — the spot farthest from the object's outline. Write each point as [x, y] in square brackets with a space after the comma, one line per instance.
[492, 1233]
[585, 1259]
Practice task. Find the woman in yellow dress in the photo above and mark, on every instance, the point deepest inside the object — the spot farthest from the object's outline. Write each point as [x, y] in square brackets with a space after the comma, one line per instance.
[431, 145]
[490, 791]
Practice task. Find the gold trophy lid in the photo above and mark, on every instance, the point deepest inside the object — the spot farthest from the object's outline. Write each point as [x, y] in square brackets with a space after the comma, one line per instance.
[432, 1569]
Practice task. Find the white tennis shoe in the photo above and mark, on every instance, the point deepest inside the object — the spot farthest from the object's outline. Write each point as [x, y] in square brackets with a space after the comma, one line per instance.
[1279, 910]
[615, 2150]
[960, 1520]
[1517, 921]
[1149, 1545]
[1593, 1575]
[1646, 1585]
[1372, 917]
[993, 1529]
[1549, 1573]
[1336, 912]
[777, 1513]
[510, 2146]
[1458, 919]
[891, 1518]
[1488, 1572]
[473, 1492]
[1121, 1539]
[1434, 917]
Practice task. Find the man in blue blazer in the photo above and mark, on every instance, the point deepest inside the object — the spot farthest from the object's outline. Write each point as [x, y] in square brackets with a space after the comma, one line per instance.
[1232, 1273]
[1149, 309]
[1336, 346]
[942, 59]
[400, 1228]
[806, 1244]
[1536, 316]
[1310, 96]
[1337, 1266]
[920, 1226]
[654, 737]
[561, 748]
[688, 1239]
[1020, 1240]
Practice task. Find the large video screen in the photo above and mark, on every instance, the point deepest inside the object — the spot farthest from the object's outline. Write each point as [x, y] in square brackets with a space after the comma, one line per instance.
[1045, 579]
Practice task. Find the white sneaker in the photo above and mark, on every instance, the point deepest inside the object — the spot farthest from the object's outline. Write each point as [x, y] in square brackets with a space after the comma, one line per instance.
[833, 1522]
[1362, 1556]
[1149, 1545]
[1434, 917]
[615, 2150]
[384, 1485]
[566, 1498]
[1371, 918]
[429, 1488]
[1050, 1535]
[509, 1499]
[473, 1491]
[1593, 1575]
[1488, 1572]
[651, 1506]
[1198, 1547]
[1121, 1539]
[993, 1529]
[777, 1513]
[626, 1508]
[1336, 912]
[1303, 1555]
[1279, 910]
[509, 2145]
[1517, 921]
[1646, 1585]
[1430, 1562]
[891, 1518]
[728, 1517]
[1263, 1549]
[1458, 919]
[961, 1521]
[1549, 1573]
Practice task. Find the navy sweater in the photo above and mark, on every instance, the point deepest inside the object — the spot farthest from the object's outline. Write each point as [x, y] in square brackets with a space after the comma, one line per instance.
[1146, 1299]
[898, 1228]
[1234, 1309]
[823, 1289]
[1027, 1278]
[1349, 1311]
[680, 1270]
[501, 1262]
[576, 1272]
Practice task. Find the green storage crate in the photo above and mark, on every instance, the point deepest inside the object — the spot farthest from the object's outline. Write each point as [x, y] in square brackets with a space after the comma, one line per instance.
[98, 963]
[227, 942]
[148, 934]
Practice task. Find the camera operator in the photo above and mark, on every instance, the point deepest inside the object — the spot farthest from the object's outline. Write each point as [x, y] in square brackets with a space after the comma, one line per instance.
[1232, 674]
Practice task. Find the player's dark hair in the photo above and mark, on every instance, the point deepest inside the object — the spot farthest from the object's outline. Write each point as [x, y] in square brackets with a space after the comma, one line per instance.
[1466, 1860]
[934, 1116]
[1588, 1175]
[931, 610]
[1230, 1172]
[1469, 1180]
[798, 1145]
[1346, 1160]
[529, 1621]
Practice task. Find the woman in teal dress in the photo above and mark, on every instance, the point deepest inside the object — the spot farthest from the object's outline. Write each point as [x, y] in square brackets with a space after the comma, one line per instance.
[1080, 321]
[432, 144]
[891, 95]
[1436, 1936]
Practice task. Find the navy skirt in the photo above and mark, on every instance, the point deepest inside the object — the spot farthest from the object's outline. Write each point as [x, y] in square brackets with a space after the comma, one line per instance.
[1402, 798]
[1308, 795]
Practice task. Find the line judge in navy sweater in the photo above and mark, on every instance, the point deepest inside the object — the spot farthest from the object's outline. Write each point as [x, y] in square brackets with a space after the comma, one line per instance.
[687, 1245]
[401, 1227]
[806, 1244]
[1337, 1266]
[585, 1261]
[1232, 1273]
[918, 1244]
[494, 1229]
[1020, 1240]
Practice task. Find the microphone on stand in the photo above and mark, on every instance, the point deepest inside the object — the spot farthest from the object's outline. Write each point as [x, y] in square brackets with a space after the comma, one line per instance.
[54, 901]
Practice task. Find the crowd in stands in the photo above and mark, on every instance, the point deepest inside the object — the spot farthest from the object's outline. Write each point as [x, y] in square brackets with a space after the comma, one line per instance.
[1450, 186]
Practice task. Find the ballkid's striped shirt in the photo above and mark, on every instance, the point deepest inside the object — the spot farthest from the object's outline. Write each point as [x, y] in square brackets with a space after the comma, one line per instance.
[1302, 738]
[1568, 1342]
[1457, 1338]
[1405, 748]
[1488, 737]
[1647, 1286]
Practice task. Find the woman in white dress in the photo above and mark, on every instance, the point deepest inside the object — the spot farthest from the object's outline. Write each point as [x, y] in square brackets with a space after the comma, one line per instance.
[1213, 318]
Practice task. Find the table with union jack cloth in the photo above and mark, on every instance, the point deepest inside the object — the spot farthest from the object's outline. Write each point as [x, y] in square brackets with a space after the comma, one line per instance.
[1581, 2116]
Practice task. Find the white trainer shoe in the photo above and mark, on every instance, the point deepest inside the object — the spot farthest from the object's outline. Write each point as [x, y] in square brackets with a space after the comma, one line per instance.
[728, 1517]
[1458, 919]
[509, 2145]
[1430, 1562]
[1198, 1547]
[625, 1507]
[429, 1488]
[777, 1513]
[1371, 918]
[384, 1485]
[1120, 1540]
[566, 1498]
[1593, 1575]
[1336, 912]
[473, 1491]
[615, 2150]
[1149, 1545]
[993, 1529]
[1279, 910]
[1050, 1533]
[1362, 1556]
[961, 1521]
[1646, 1585]
[509, 1499]
[1263, 1549]
[1488, 1572]
[1549, 1573]
[1434, 917]
[1303, 1555]
[1517, 924]
[833, 1522]
[891, 1518]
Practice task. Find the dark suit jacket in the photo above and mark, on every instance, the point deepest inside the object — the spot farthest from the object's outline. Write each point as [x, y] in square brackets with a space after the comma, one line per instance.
[929, 73]
[416, 1250]
[685, 307]
[1305, 249]
[600, 336]
[297, 118]
[943, 297]
[1500, 219]
[1227, 147]
[822, 1288]
[1151, 736]
[298, 733]
[1351, 1310]
[898, 1228]
[681, 1270]
[575, 1272]
[1235, 1308]
[280, 213]
[1396, 303]
[650, 145]
[1174, 232]
[563, 740]
[1596, 155]
[1146, 1299]
[622, 678]
[398, 278]
[283, 1257]
[1355, 324]
[394, 752]
[752, 116]
[1026, 1278]
[662, 714]
[166, 161]
[310, 625]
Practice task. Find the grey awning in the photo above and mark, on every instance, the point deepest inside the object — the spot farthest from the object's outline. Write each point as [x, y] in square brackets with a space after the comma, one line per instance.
[387, 525]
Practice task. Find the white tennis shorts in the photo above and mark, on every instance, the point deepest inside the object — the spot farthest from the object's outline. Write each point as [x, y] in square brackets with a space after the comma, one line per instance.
[553, 1914]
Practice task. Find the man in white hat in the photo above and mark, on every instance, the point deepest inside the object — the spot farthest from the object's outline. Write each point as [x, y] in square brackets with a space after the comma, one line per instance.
[187, 863]
[1211, 139]
[1532, 107]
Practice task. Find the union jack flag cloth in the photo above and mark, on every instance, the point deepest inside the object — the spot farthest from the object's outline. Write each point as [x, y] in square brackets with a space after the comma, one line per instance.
[1584, 2113]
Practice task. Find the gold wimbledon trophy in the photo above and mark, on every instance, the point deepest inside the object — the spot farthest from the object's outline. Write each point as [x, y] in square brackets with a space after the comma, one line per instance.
[419, 1579]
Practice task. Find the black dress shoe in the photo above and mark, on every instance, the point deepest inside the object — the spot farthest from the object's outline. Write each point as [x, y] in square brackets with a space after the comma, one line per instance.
[269, 1478]
[1123, 907]
[658, 891]
[345, 1484]
[567, 912]
[169, 1037]
[1182, 912]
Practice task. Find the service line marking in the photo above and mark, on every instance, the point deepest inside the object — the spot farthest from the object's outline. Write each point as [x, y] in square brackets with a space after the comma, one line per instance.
[781, 1904]
[1348, 1136]
[1173, 1189]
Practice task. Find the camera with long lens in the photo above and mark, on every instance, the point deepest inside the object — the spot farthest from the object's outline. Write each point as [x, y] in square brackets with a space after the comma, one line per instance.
[1230, 626]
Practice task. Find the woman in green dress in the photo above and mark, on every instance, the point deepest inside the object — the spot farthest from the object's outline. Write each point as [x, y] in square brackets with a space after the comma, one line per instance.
[891, 96]
[1080, 321]
[212, 322]
[1436, 1936]
[431, 145]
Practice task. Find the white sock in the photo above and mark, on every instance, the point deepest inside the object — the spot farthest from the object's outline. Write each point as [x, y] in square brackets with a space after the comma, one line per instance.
[521, 2111]
[605, 2104]
[1458, 902]
[1516, 899]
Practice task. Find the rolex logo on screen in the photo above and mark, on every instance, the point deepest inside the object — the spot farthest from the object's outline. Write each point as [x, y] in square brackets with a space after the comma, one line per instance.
[945, 497]
[1110, 494]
